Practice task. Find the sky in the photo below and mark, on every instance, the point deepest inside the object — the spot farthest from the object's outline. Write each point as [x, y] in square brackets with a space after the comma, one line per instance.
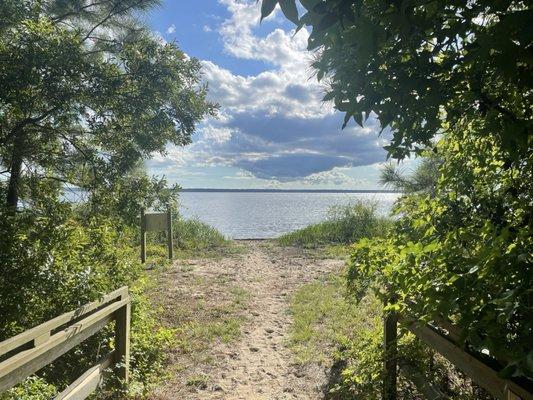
[273, 130]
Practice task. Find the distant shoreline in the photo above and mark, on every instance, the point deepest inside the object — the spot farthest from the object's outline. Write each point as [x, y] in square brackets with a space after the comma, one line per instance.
[288, 190]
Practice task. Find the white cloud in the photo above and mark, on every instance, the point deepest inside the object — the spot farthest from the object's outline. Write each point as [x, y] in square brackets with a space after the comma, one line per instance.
[207, 28]
[171, 29]
[273, 125]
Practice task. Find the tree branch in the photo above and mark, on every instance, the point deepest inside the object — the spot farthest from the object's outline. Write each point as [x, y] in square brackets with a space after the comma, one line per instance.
[108, 17]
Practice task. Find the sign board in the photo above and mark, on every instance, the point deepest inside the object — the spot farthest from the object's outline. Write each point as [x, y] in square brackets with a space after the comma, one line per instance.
[155, 222]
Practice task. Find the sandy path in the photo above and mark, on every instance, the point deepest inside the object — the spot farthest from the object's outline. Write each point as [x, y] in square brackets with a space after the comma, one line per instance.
[258, 365]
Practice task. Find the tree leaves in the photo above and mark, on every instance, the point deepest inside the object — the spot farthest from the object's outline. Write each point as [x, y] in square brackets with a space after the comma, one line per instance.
[288, 7]
[100, 105]
[376, 50]
[289, 10]
[267, 6]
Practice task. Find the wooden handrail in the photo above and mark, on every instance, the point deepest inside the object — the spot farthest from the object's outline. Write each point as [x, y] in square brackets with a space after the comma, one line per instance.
[29, 351]
[446, 345]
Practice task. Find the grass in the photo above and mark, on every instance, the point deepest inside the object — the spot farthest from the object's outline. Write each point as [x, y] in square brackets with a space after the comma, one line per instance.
[329, 329]
[344, 225]
[192, 239]
[193, 234]
[324, 320]
[199, 324]
[199, 381]
[203, 310]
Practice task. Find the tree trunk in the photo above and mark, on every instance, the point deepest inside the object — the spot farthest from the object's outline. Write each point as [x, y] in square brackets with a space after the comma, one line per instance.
[12, 197]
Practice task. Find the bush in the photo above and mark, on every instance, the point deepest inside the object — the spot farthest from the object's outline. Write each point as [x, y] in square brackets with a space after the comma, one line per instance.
[329, 325]
[52, 262]
[344, 225]
[192, 234]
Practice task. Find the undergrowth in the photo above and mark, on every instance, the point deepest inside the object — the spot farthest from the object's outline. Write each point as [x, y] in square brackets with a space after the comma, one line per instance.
[331, 329]
[344, 224]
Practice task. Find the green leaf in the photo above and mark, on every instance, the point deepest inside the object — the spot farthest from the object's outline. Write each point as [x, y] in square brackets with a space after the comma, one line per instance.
[289, 10]
[358, 117]
[329, 96]
[346, 119]
[326, 22]
[267, 6]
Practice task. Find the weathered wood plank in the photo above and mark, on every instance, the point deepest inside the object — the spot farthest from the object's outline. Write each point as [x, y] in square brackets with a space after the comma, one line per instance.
[122, 341]
[18, 367]
[46, 327]
[481, 373]
[88, 382]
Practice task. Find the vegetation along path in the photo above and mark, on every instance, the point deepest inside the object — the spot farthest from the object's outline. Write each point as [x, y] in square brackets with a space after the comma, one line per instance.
[232, 318]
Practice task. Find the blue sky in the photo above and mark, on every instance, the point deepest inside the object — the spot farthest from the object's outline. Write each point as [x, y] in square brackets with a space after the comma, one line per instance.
[273, 130]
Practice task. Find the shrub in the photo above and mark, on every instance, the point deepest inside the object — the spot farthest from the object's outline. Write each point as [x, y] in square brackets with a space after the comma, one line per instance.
[345, 224]
[51, 263]
[192, 234]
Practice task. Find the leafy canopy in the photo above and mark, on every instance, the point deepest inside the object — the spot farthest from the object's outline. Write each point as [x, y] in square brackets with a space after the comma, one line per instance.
[87, 92]
[424, 66]
[456, 77]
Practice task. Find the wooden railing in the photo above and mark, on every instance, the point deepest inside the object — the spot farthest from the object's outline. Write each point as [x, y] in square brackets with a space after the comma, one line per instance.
[28, 352]
[443, 337]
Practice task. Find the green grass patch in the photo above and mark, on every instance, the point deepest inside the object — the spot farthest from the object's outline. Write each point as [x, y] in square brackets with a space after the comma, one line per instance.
[192, 238]
[193, 234]
[344, 225]
[199, 323]
[324, 320]
[198, 381]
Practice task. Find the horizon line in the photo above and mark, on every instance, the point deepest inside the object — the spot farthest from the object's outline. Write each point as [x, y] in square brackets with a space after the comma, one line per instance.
[290, 190]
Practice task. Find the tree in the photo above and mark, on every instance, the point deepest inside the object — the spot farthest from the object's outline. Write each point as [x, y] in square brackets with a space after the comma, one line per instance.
[423, 179]
[425, 67]
[87, 92]
[454, 77]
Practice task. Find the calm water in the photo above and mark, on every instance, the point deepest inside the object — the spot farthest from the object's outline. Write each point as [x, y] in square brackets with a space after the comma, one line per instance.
[262, 215]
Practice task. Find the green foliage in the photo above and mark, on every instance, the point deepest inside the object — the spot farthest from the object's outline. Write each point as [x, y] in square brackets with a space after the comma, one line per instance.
[193, 234]
[53, 263]
[329, 326]
[148, 343]
[87, 92]
[423, 178]
[345, 224]
[123, 198]
[425, 67]
[33, 388]
[465, 252]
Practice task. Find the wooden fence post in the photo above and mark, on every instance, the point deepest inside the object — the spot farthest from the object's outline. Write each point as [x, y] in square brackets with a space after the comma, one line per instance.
[390, 336]
[169, 235]
[143, 237]
[122, 341]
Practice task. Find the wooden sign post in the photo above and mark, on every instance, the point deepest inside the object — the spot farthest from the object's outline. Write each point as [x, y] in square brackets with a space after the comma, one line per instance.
[157, 221]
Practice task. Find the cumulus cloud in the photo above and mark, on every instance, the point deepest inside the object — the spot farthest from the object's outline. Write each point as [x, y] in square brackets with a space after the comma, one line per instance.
[171, 29]
[273, 125]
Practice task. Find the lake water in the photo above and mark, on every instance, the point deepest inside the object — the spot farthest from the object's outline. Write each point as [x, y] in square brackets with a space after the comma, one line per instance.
[261, 215]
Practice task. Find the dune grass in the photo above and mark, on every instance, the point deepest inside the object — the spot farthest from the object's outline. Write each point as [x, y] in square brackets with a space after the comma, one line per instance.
[192, 238]
[193, 234]
[344, 225]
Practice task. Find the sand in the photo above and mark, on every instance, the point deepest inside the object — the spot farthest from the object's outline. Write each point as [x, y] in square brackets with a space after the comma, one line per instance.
[258, 364]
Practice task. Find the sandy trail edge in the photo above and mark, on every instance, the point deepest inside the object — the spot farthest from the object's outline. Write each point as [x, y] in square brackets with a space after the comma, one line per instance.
[258, 365]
